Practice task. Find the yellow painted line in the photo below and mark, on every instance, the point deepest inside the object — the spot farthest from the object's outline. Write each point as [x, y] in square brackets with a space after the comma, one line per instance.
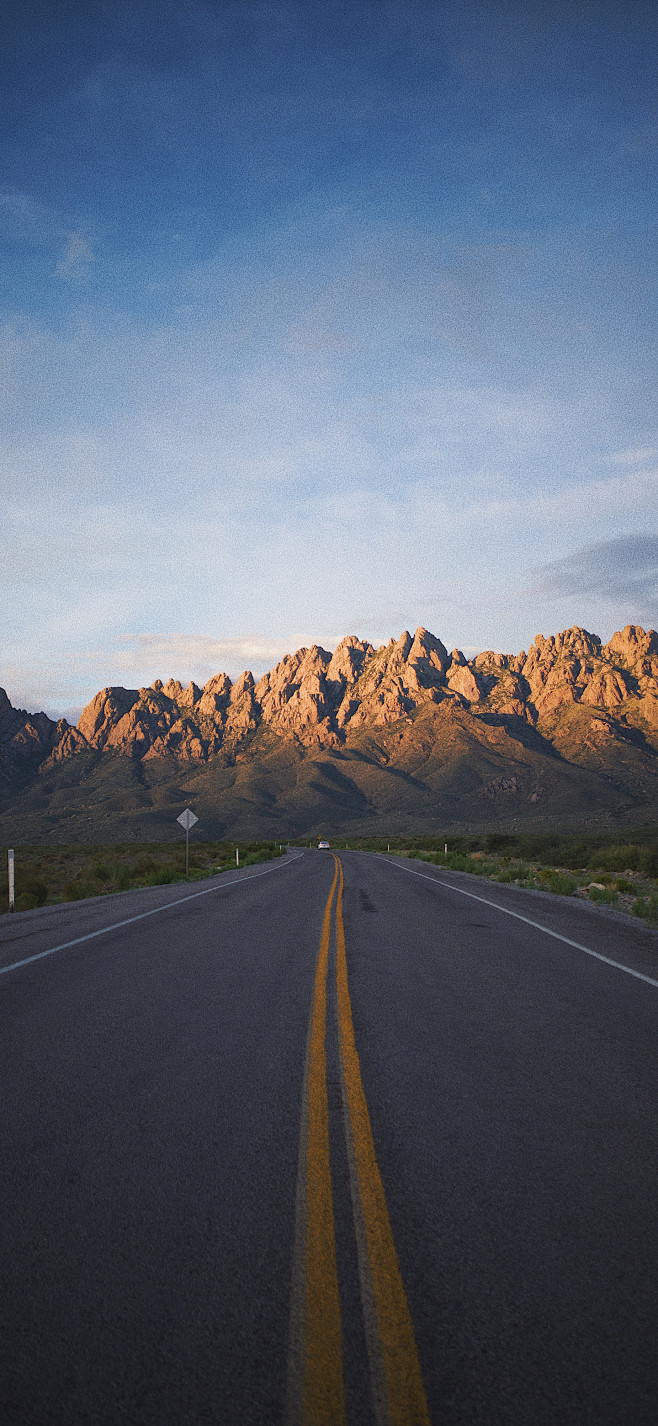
[398, 1391]
[316, 1395]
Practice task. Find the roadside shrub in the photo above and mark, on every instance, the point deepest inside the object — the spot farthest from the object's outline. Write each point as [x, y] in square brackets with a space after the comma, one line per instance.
[79, 890]
[484, 868]
[507, 875]
[617, 858]
[647, 908]
[122, 878]
[34, 888]
[649, 861]
[575, 855]
[597, 893]
[26, 902]
[163, 877]
[101, 871]
[458, 861]
[560, 884]
[625, 887]
[252, 858]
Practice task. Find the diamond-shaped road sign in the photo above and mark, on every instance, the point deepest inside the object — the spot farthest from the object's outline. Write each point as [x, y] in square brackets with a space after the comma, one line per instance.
[187, 819]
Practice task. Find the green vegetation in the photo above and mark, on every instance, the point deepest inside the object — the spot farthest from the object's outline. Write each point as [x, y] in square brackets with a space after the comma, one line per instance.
[47, 875]
[647, 907]
[605, 870]
[637, 852]
[607, 889]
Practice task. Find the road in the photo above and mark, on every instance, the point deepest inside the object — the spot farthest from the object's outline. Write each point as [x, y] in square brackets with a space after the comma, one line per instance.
[334, 1139]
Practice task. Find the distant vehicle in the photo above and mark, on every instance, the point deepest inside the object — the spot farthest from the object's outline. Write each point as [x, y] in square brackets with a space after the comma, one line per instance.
[323, 846]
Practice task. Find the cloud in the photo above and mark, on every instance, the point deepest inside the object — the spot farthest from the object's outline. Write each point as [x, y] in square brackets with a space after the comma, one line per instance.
[626, 568]
[634, 457]
[74, 266]
[25, 222]
[199, 657]
[136, 660]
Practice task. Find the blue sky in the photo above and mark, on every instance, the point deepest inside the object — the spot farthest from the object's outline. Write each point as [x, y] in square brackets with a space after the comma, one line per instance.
[322, 319]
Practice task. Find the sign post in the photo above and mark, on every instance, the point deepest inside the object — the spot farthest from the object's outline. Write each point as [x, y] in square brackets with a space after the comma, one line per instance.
[10, 876]
[187, 820]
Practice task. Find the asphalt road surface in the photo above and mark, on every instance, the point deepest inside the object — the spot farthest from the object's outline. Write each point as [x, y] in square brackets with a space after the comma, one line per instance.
[335, 1139]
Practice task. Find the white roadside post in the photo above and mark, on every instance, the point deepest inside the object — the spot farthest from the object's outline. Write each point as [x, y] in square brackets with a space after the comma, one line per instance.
[187, 820]
[237, 856]
[10, 876]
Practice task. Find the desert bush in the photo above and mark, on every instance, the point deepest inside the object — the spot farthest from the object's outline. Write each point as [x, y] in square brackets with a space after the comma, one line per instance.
[79, 890]
[101, 871]
[484, 868]
[618, 857]
[647, 908]
[457, 861]
[33, 887]
[560, 884]
[649, 861]
[606, 893]
[163, 876]
[26, 902]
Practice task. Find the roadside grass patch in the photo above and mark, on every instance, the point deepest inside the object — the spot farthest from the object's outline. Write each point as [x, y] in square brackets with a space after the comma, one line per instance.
[647, 908]
[572, 876]
[47, 875]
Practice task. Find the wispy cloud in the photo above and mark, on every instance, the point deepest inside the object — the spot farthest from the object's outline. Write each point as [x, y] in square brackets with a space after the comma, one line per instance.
[626, 568]
[74, 266]
[137, 660]
[634, 457]
[198, 657]
[25, 222]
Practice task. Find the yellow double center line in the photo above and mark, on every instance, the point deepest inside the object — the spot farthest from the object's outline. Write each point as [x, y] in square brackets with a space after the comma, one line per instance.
[316, 1394]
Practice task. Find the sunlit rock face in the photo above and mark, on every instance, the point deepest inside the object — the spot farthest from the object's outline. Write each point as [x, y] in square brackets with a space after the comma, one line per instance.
[314, 699]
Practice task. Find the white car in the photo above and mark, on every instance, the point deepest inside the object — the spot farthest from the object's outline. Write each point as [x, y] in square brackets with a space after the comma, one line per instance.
[323, 846]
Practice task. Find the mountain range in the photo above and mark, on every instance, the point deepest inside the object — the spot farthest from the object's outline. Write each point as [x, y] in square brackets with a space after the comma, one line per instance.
[403, 738]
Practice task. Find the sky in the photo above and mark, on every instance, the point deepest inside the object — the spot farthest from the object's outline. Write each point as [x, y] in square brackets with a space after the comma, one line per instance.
[318, 319]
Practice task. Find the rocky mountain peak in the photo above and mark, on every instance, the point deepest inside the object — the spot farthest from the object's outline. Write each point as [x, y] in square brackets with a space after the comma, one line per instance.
[317, 699]
[104, 712]
[184, 697]
[427, 650]
[635, 649]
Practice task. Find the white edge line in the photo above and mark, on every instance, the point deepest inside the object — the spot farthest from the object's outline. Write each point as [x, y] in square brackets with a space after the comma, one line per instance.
[537, 924]
[116, 925]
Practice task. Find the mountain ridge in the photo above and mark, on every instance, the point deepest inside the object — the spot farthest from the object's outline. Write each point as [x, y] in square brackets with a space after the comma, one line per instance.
[355, 737]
